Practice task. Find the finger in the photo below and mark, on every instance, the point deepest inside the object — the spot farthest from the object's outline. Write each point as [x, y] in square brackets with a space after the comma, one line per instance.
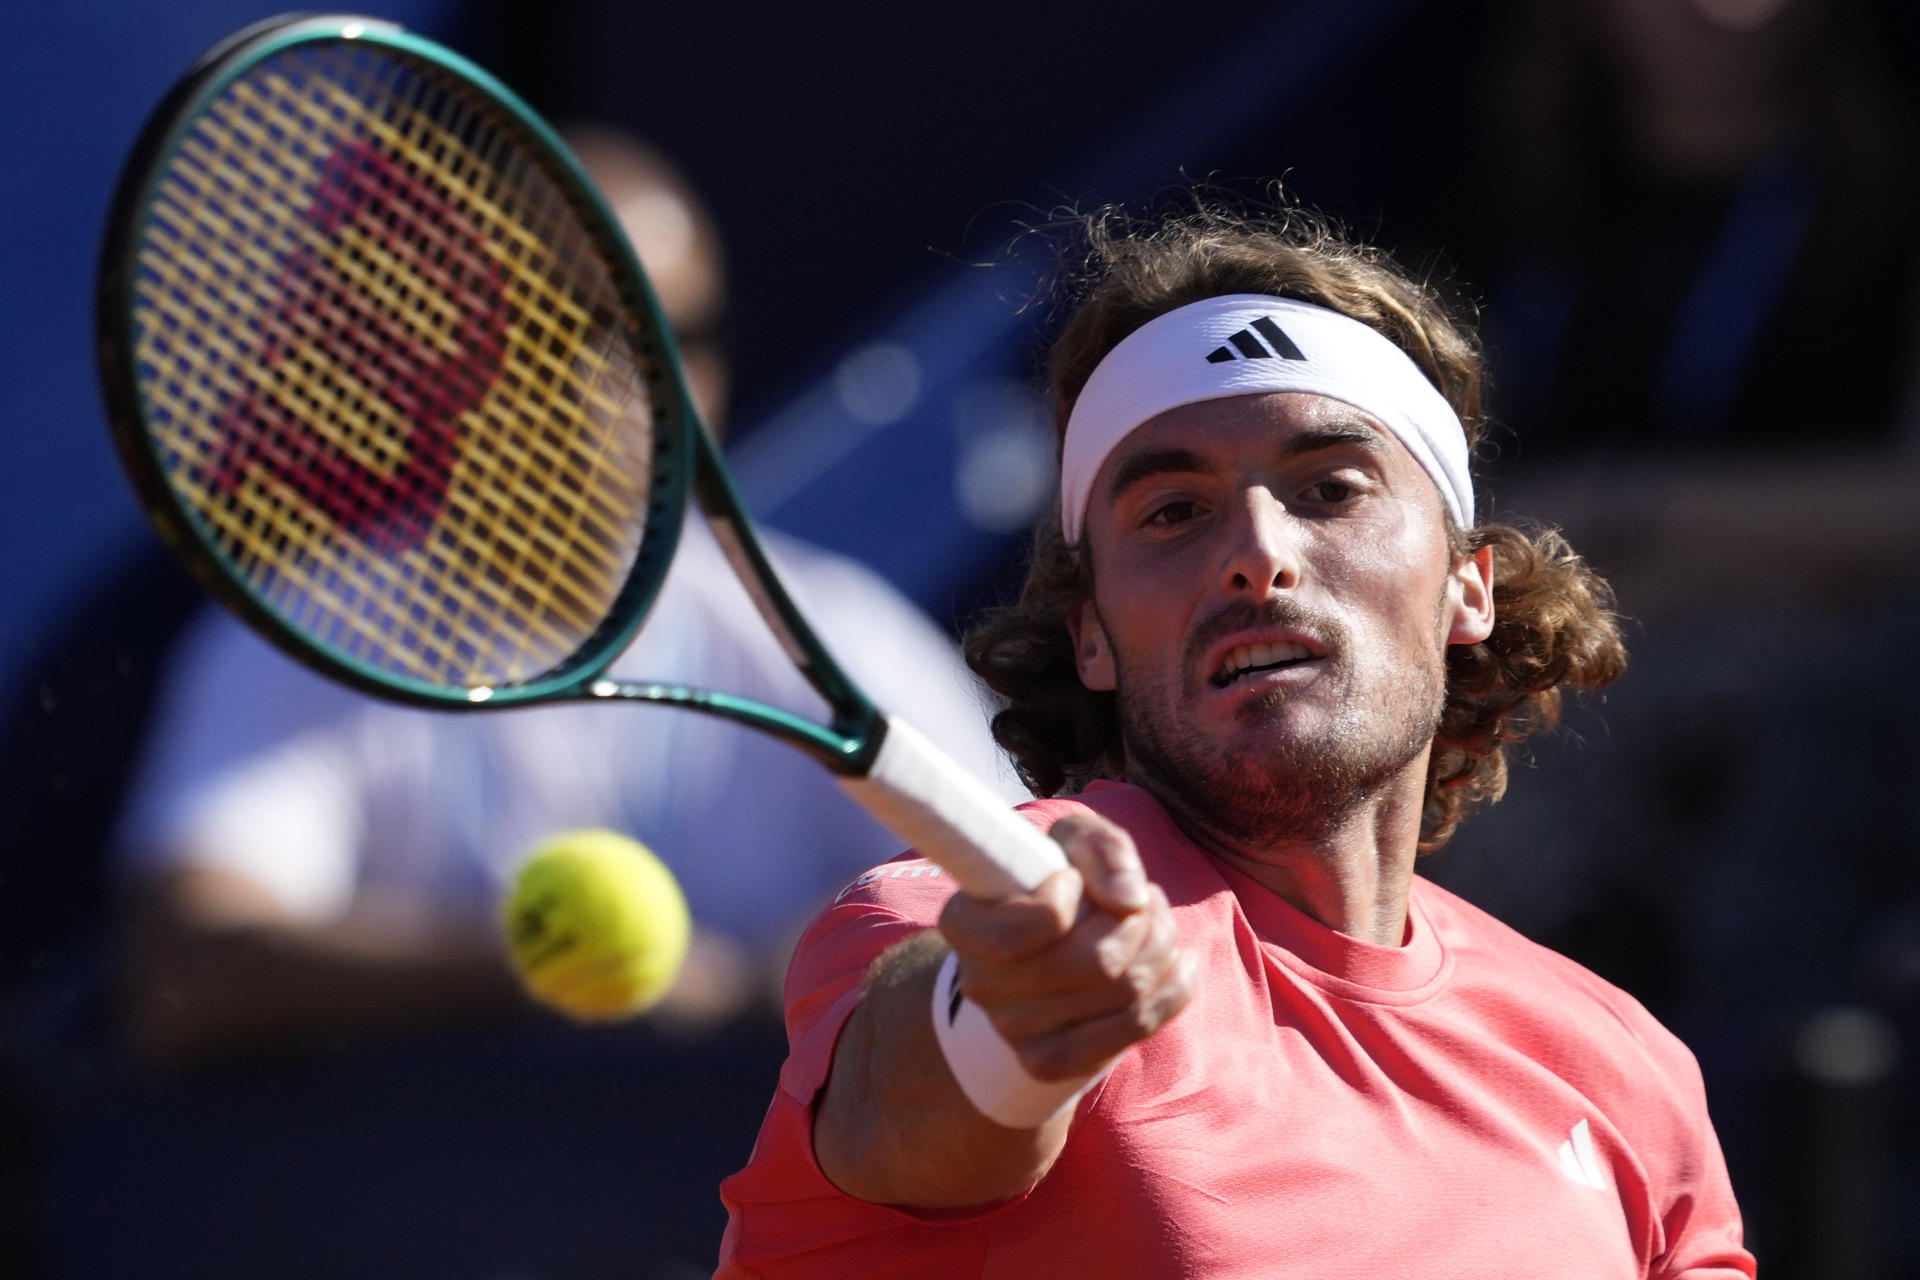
[995, 933]
[1095, 953]
[1130, 964]
[1086, 1047]
[1107, 859]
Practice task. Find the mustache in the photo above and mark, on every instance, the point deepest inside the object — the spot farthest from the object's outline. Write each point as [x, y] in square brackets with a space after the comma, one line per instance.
[1325, 631]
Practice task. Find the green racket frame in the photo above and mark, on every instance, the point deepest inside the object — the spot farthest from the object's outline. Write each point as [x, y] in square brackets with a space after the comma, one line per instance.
[686, 457]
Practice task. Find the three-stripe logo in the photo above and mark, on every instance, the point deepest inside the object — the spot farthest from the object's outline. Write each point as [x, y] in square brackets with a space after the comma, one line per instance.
[1247, 343]
[1578, 1159]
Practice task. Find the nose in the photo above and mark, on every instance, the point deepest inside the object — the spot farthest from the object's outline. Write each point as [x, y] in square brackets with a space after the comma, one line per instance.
[1262, 551]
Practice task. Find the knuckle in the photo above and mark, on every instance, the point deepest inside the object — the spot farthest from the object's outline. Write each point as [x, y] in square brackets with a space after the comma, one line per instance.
[1014, 1025]
[978, 983]
[1009, 932]
[1142, 979]
[1060, 894]
[1068, 825]
[1160, 915]
[998, 941]
[1069, 832]
[1076, 825]
[1176, 991]
[999, 932]
[1111, 846]
[963, 919]
[954, 914]
[1112, 959]
[1165, 1009]
[1048, 1058]
[1120, 945]
[1088, 834]
[1142, 1019]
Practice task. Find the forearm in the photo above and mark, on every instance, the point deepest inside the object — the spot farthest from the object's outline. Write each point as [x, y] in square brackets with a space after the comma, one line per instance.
[1070, 973]
[892, 1125]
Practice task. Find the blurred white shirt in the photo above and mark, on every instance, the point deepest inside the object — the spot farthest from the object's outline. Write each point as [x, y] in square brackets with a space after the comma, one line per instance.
[320, 795]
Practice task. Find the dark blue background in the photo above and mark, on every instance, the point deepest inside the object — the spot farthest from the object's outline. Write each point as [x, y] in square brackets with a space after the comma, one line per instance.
[871, 167]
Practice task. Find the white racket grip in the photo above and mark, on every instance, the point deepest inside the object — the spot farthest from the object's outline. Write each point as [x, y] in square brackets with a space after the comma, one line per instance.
[953, 818]
[986, 1068]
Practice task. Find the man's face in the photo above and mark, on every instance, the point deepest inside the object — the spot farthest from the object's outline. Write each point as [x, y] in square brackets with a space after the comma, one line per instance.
[1273, 599]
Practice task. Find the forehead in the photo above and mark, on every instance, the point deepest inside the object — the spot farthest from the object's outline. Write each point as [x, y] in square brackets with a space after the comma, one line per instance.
[1273, 425]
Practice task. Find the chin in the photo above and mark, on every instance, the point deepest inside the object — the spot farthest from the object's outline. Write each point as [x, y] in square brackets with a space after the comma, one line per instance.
[1278, 722]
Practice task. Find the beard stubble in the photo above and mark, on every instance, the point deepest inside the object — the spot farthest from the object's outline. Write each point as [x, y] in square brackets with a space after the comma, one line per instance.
[1287, 791]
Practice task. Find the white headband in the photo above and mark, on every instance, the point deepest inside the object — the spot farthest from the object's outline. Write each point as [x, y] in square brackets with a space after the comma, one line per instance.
[1243, 344]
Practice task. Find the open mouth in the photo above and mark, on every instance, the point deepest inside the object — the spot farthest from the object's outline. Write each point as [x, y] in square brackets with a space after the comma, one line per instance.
[1246, 660]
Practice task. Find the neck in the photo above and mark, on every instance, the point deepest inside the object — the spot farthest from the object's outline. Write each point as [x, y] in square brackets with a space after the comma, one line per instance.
[1354, 877]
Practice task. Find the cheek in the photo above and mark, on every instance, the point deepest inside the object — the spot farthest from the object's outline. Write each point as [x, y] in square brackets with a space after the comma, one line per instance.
[1143, 598]
[1366, 562]
[1146, 647]
[1139, 639]
[1391, 582]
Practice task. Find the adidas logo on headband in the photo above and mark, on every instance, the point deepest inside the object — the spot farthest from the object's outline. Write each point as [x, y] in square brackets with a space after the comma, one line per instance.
[1251, 348]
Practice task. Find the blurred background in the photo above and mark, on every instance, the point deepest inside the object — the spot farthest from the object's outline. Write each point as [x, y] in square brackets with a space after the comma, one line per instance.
[1689, 229]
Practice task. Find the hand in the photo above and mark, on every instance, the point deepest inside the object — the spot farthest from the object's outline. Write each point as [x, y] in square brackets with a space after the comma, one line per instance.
[1084, 965]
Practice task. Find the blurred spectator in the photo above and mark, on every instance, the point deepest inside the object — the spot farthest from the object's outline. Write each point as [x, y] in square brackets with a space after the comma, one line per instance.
[1711, 203]
[1696, 227]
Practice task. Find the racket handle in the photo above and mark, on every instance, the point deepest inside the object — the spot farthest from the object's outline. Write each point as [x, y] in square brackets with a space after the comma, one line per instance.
[953, 818]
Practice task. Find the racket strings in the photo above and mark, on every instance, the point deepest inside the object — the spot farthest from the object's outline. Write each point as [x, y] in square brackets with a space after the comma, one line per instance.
[380, 353]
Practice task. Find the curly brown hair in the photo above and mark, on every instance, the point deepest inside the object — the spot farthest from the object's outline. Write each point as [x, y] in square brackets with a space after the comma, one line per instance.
[1554, 623]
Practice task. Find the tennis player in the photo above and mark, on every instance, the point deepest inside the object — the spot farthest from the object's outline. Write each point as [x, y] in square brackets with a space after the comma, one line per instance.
[1264, 658]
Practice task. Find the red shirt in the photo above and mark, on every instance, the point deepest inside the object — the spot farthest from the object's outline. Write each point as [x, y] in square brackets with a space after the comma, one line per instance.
[1467, 1104]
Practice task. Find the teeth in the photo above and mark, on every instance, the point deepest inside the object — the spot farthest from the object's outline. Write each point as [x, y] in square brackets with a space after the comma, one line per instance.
[1245, 657]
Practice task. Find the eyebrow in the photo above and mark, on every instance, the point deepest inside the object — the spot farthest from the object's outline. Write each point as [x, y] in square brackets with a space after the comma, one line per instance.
[1158, 462]
[1155, 462]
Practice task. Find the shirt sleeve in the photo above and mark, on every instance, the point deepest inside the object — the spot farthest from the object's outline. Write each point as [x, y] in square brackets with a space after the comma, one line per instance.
[1700, 1221]
[784, 1216]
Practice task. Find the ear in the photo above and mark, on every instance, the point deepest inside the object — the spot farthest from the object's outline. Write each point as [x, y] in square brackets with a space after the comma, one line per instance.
[1092, 654]
[1470, 598]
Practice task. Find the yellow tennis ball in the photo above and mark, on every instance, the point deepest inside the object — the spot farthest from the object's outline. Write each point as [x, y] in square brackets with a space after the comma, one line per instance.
[596, 925]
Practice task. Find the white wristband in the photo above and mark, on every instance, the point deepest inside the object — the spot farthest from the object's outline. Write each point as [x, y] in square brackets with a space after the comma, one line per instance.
[986, 1067]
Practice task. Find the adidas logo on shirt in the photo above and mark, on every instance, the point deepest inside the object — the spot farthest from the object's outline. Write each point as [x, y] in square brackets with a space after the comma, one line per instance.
[1579, 1161]
[1248, 343]
[892, 871]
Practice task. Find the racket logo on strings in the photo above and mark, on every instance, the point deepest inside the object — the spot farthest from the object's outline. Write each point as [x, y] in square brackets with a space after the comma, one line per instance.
[429, 354]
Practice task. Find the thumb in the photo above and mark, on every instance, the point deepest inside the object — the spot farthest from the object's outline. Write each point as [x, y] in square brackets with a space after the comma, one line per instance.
[1107, 860]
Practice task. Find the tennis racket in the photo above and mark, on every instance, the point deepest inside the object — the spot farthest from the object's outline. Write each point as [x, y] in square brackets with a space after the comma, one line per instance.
[386, 373]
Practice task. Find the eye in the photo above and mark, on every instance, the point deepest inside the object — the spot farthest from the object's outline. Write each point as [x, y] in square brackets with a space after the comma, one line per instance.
[1178, 511]
[1331, 490]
